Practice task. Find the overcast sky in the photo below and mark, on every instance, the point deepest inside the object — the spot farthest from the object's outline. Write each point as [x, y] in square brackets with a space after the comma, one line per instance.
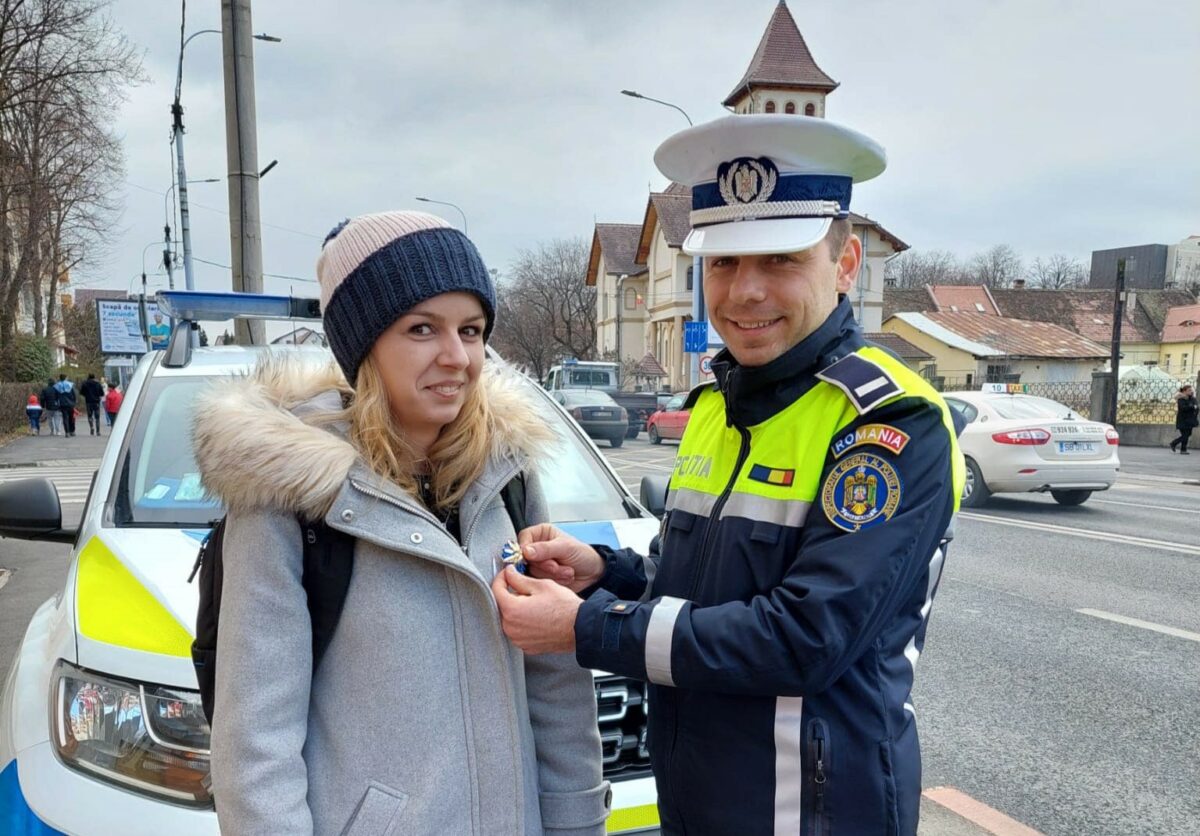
[1049, 125]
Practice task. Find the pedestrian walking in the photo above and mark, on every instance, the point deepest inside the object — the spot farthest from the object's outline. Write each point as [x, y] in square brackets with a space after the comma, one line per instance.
[66, 404]
[50, 405]
[33, 411]
[1187, 417]
[93, 394]
[780, 613]
[112, 402]
[409, 446]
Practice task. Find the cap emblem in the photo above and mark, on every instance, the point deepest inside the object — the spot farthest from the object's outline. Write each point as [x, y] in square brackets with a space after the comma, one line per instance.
[747, 180]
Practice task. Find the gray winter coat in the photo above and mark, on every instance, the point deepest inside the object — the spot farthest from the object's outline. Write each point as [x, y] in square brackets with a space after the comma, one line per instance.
[421, 718]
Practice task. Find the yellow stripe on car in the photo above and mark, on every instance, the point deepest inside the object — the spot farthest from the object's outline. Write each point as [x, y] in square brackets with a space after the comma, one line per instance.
[633, 818]
[114, 607]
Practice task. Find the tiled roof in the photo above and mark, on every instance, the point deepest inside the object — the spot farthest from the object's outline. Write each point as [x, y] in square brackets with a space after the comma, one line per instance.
[899, 346]
[649, 366]
[88, 296]
[670, 210]
[1182, 325]
[781, 60]
[618, 245]
[906, 299]
[968, 298]
[1020, 337]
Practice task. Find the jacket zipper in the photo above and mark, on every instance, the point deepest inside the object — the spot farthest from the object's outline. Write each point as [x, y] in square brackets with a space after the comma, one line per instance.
[711, 526]
[499, 631]
[482, 504]
[818, 753]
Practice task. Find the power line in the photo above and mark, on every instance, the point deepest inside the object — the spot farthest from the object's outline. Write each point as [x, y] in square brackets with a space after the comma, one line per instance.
[226, 214]
[272, 275]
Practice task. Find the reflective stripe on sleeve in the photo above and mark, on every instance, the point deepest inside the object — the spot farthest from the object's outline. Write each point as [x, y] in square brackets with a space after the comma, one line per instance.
[660, 632]
[786, 512]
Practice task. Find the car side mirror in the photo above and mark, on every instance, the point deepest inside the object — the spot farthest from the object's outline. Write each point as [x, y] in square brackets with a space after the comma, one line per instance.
[30, 510]
[654, 494]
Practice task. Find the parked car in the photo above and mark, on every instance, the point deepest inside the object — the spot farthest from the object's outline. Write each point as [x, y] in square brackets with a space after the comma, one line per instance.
[101, 727]
[1017, 443]
[670, 421]
[606, 377]
[597, 414]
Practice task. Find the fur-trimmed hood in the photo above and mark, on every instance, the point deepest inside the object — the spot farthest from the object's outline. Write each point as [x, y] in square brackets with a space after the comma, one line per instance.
[259, 441]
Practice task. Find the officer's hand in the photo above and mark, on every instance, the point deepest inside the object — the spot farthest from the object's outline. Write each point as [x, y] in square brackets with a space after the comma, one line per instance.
[538, 615]
[557, 556]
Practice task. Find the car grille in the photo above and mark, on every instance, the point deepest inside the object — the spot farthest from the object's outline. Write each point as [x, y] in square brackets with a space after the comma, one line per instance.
[621, 709]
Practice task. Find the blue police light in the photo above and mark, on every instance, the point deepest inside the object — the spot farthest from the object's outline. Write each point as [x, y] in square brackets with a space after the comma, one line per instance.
[200, 306]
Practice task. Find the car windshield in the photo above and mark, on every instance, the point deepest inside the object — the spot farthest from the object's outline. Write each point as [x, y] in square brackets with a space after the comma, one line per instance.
[586, 396]
[591, 377]
[159, 482]
[1028, 406]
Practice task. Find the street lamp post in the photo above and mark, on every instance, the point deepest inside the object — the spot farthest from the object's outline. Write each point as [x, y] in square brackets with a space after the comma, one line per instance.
[698, 312]
[447, 203]
[167, 230]
[181, 169]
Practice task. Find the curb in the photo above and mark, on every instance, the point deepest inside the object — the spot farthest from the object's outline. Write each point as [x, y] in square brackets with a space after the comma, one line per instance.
[1149, 477]
[52, 463]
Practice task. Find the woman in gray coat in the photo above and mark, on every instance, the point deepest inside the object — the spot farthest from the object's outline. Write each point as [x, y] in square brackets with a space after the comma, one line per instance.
[421, 718]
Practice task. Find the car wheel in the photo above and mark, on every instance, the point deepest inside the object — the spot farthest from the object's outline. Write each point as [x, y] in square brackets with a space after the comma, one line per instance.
[975, 491]
[617, 440]
[655, 438]
[633, 431]
[1070, 497]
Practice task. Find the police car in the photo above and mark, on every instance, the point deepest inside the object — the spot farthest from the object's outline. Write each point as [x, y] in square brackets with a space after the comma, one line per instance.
[1015, 442]
[101, 728]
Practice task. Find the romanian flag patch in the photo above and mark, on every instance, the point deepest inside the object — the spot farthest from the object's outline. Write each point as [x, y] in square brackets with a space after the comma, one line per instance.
[772, 475]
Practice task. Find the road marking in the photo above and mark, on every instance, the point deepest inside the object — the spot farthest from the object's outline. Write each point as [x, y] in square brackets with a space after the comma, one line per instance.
[72, 483]
[978, 813]
[1111, 537]
[1144, 505]
[1145, 625]
[4, 576]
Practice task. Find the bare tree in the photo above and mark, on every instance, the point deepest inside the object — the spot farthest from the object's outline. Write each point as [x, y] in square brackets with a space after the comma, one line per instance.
[916, 269]
[65, 71]
[547, 310]
[997, 267]
[1058, 272]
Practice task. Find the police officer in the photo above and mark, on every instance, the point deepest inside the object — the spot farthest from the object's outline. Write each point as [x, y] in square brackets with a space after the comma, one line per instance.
[781, 611]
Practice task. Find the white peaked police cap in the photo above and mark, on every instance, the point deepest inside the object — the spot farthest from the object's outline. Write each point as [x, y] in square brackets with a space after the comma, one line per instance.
[766, 183]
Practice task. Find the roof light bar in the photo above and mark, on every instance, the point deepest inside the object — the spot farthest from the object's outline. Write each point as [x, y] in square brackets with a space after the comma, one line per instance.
[202, 306]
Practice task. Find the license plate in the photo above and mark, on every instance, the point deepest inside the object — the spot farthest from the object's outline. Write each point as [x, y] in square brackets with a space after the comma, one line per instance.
[602, 413]
[1077, 447]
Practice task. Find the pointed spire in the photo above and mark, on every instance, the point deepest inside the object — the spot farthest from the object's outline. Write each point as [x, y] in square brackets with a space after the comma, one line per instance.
[782, 60]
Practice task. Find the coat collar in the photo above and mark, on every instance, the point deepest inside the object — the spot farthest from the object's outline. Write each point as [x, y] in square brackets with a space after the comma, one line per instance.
[755, 393]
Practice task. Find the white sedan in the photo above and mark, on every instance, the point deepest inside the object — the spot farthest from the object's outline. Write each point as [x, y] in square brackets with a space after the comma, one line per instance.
[1019, 443]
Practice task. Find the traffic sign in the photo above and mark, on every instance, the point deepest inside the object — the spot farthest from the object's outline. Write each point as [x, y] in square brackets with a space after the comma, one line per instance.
[706, 364]
[695, 337]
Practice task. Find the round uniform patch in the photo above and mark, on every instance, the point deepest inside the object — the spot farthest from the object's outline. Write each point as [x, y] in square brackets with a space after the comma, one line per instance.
[860, 491]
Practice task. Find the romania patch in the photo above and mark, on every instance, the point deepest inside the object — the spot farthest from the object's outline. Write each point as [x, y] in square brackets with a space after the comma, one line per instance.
[860, 492]
[881, 435]
[772, 475]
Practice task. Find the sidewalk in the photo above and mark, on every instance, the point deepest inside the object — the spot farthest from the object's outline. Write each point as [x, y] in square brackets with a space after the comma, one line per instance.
[46, 449]
[1160, 462]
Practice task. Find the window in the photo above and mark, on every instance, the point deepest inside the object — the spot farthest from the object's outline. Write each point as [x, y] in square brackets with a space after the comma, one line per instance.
[790, 107]
[689, 278]
[1167, 363]
[1183, 362]
[1001, 374]
[770, 108]
[810, 109]
[966, 410]
[630, 299]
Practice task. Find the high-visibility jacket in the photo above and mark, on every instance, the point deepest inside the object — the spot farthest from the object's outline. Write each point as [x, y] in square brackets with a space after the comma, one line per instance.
[781, 612]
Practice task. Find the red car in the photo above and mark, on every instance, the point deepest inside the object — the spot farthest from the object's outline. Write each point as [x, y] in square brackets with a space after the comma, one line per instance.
[670, 421]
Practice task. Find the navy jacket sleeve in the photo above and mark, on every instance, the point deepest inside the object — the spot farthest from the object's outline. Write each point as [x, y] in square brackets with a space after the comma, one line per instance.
[837, 595]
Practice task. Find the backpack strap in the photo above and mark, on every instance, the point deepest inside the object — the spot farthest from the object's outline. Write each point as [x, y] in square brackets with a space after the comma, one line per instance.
[513, 496]
[328, 565]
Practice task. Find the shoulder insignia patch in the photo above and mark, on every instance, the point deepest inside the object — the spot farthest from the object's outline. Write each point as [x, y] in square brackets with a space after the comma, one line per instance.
[881, 435]
[861, 491]
[865, 383]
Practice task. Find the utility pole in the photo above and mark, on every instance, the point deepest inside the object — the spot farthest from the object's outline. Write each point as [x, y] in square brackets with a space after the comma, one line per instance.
[1114, 362]
[241, 148]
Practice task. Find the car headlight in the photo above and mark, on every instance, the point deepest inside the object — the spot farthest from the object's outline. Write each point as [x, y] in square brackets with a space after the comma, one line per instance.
[147, 738]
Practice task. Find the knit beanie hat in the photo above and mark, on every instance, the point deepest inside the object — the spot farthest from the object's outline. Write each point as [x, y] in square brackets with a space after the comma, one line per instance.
[374, 268]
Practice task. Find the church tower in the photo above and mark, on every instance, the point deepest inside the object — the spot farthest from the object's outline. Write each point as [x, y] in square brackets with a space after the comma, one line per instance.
[782, 76]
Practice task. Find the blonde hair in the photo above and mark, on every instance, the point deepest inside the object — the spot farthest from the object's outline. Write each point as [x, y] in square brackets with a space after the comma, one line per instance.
[456, 459]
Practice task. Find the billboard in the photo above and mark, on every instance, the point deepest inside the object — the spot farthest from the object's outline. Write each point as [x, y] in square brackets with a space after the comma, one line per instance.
[121, 326]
